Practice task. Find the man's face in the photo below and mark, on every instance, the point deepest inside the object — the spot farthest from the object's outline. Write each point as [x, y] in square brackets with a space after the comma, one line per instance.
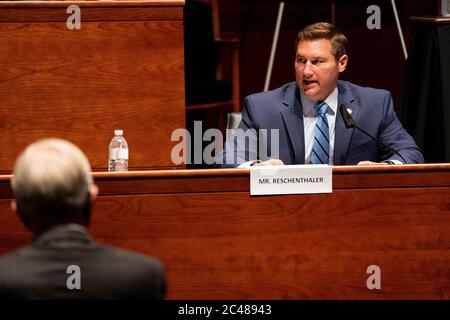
[316, 68]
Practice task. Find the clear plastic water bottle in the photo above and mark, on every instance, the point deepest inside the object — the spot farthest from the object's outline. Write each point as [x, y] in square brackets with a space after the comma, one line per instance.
[118, 152]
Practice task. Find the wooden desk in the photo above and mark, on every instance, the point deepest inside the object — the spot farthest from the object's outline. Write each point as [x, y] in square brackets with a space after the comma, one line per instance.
[217, 242]
[124, 69]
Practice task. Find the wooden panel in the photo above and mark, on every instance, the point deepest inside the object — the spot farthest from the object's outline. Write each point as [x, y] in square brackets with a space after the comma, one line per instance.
[81, 85]
[225, 244]
[288, 247]
[59, 14]
[236, 180]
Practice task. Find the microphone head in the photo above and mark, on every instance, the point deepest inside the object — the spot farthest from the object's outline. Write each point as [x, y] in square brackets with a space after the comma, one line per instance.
[346, 116]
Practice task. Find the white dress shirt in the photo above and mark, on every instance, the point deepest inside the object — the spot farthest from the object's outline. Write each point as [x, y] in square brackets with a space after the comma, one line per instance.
[310, 119]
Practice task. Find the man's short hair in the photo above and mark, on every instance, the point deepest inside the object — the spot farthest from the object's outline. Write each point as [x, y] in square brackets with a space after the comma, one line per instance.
[51, 175]
[324, 30]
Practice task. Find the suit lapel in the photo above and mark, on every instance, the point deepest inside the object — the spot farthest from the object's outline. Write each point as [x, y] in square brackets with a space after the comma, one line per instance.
[293, 120]
[343, 136]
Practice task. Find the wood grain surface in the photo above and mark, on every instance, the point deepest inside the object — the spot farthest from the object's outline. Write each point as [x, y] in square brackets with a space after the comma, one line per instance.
[122, 70]
[218, 242]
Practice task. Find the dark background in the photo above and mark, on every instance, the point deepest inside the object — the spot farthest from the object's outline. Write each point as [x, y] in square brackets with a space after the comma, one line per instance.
[375, 56]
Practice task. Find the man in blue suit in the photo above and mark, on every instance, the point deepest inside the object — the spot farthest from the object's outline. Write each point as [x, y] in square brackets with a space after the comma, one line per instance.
[300, 122]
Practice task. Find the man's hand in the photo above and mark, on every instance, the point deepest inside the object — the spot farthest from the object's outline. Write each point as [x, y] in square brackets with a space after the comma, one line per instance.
[271, 162]
[370, 163]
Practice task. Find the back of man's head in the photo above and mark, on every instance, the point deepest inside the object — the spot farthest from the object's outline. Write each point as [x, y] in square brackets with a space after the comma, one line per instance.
[52, 184]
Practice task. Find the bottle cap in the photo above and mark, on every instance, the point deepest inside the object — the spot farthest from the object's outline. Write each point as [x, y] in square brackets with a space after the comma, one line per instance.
[118, 132]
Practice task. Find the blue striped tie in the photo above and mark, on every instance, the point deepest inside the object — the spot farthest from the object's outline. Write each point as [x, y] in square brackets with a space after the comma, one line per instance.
[321, 146]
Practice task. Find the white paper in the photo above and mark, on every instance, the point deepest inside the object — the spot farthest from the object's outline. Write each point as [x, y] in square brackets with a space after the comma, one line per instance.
[291, 179]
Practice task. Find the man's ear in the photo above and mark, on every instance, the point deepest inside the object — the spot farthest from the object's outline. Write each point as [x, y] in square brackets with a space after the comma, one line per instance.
[342, 63]
[13, 204]
[93, 192]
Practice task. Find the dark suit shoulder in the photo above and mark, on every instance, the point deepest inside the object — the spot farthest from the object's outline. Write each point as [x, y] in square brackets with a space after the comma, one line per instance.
[277, 94]
[270, 102]
[143, 274]
[14, 266]
[106, 273]
[127, 259]
[11, 264]
[357, 91]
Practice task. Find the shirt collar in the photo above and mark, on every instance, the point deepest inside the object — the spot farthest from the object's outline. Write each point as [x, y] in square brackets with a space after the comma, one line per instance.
[64, 233]
[308, 104]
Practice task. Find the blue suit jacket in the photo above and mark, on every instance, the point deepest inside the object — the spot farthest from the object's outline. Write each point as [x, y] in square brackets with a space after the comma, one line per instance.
[281, 109]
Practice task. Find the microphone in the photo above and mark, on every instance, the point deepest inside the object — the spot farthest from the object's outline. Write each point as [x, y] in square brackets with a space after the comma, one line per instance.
[350, 123]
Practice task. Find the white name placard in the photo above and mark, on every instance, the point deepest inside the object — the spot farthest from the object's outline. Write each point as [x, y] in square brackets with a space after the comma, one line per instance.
[290, 179]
